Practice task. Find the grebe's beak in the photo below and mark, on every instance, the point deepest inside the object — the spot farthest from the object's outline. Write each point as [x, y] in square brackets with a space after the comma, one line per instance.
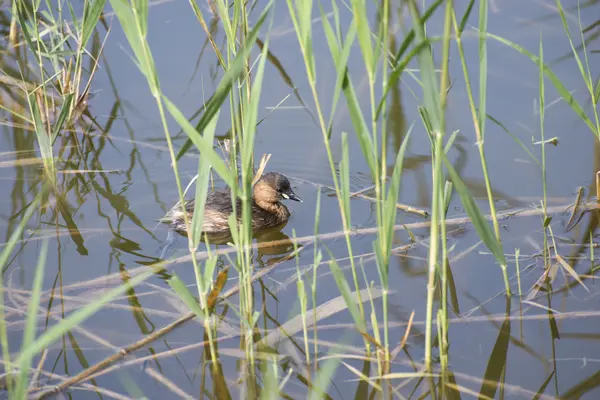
[290, 195]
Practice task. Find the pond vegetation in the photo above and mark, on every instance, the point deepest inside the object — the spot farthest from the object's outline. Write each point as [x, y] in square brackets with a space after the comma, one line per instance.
[257, 318]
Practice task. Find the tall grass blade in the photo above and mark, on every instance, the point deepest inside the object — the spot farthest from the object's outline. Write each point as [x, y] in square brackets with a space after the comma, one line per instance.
[4, 257]
[140, 8]
[483, 18]
[31, 321]
[339, 57]
[585, 74]
[410, 36]
[204, 145]
[515, 138]
[447, 197]
[362, 131]
[479, 221]
[130, 19]
[62, 116]
[204, 167]
[452, 290]
[364, 35]
[270, 388]
[398, 70]
[229, 24]
[185, 295]
[22, 8]
[428, 74]
[43, 137]
[390, 209]
[326, 372]
[91, 14]
[233, 72]
[345, 181]
[560, 87]
[304, 23]
[251, 115]
[432, 114]
[466, 15]
[55, 332]
[346, 293]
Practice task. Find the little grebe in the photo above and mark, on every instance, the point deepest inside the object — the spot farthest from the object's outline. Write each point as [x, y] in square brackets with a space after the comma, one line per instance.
[267, 210]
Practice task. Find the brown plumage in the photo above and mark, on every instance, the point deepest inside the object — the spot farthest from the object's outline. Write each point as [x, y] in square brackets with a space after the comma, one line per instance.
[267, 210]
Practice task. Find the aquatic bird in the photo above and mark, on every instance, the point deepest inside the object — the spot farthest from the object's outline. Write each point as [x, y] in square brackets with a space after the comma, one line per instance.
[267, 209]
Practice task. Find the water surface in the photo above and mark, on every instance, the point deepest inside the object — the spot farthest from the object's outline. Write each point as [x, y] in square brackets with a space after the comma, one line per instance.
[115, 210]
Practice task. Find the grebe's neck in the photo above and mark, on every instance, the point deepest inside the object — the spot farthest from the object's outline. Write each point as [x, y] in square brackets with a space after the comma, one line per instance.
[273, 208]
[267, 198]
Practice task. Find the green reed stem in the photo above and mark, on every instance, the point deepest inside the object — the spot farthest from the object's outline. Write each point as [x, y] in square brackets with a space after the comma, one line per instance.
[4, 257]
[542, 107]
[434, 122]
[317, 256]
[301, 20]
[479, 120]
[384, 222]
[31, 323]
[444, 85]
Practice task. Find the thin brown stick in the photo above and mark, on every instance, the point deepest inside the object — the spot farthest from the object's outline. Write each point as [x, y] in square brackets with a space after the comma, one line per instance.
[116, 357]
[84, 375]
[36, 374]
[522, 212]
[399, 206]
[304, 240]
[156, 356]
[167, 383]
[400, 346]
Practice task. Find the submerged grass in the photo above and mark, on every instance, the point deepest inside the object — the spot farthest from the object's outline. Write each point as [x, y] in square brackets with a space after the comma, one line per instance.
[58, 99]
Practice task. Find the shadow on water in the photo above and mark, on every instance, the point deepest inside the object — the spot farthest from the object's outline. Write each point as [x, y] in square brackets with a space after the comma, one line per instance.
[270, 242]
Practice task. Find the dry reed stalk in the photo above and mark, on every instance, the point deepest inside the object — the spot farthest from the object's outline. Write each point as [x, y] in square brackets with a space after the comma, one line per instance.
[306, 240]
[301, 240]
[211, 301]
[399, 206]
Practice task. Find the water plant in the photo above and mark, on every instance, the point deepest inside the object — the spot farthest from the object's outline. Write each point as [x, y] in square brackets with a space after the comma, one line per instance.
[50, 97]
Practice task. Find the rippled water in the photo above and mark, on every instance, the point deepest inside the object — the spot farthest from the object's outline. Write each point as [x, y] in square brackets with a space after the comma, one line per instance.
[129, 185]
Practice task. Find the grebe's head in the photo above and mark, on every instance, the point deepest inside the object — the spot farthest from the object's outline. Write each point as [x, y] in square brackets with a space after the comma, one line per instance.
[272, 187]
